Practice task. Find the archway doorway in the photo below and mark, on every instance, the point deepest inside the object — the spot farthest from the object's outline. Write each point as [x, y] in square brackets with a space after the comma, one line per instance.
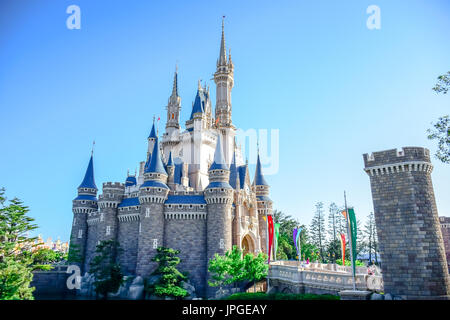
[247, 245]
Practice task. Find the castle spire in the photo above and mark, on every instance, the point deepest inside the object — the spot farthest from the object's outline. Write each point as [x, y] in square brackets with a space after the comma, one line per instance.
[156, 164]
[223, 51]
[88, 181]
[152, 132]
[175, 83]
[219, 159]
[259, 177]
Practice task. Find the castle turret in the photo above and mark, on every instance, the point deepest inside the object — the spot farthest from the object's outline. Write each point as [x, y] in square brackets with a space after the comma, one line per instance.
[219, 199]
[173, 109]
[263, 203]
[152, 195]
[223, 77]
[151, 140]
[410, 240]
[170, 171]
[109, 200]
[83, 206]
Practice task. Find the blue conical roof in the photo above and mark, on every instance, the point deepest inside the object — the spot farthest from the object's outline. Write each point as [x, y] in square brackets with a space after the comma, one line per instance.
[233, 171]
[219, 159]
[199, 102]
[170, 161]
[153, 132]
[259, 178]
[156, 164]
[88, 181]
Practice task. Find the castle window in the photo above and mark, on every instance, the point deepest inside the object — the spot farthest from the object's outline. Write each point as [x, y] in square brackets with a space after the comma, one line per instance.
[180, 206]
[108, 230]
[155, 243]
[147, 212]
[80, 233]
[221, 244]
[170, 206]
[74, 221]
[173, 116]
[190, 206]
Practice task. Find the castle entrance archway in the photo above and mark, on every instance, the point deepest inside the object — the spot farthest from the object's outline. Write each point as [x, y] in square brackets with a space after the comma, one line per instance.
[247, 245]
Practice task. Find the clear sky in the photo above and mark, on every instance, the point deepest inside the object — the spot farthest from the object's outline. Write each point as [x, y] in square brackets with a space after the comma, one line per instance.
[311, 69]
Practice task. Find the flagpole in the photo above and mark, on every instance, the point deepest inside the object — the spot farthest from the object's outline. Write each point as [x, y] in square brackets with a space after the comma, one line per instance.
[349, 233]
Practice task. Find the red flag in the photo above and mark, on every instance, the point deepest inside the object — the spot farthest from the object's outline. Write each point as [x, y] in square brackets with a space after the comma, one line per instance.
[217, 120]
[270, 224]
[159, 118]
[343, 248]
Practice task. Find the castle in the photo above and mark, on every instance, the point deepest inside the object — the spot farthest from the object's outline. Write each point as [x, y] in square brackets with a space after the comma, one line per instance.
[193, 192]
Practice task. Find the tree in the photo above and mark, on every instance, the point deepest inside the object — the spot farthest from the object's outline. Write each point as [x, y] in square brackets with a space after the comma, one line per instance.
[317, 229]
[74, 255]
[169, 283]
[218, 268]
[369, 231]
[255, 268]
[107, 273]
[443, 84]
[441, 131]
[333, 221]
[16, 263]
[235, 266]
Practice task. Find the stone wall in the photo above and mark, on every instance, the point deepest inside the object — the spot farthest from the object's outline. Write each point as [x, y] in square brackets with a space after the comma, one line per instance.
[128, 240]
[445, 229]
[189, 236]
[51, 283]
[410, 240]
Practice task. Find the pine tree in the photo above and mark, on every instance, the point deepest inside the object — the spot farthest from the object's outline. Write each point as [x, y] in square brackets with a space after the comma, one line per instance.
[317, 230]
[169, 284]
[107, 273]
[16, 261]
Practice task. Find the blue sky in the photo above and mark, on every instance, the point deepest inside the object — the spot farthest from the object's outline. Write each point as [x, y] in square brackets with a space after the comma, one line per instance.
[311, 69]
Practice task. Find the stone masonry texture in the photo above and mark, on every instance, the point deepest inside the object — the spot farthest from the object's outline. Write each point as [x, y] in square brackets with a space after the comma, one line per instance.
[411, 246]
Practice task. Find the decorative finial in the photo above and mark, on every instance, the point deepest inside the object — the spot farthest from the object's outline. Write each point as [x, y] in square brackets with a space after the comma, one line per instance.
[92, 151]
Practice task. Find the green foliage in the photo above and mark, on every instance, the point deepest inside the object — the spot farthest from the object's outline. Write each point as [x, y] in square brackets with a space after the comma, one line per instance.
[348, 262]
[279, 296]
[107, 273]
[16, 263]
[232, 268]
[169, 284]
[74, 255]
[317, 230]
[255, 267]
[443, 83]
[218, 268]
[441, 133]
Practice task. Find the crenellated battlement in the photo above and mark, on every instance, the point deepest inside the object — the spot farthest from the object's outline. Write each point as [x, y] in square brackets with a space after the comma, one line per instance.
[114, 185]
[394, 156]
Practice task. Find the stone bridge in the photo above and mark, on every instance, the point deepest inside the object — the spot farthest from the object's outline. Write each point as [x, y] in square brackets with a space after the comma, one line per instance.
[317, 278]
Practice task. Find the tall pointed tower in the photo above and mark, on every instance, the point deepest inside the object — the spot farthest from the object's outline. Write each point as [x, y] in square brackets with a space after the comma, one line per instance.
[219, 199]
[173, 109]
[263, 203]
[152, 195]
[224, 79]
[82, 207]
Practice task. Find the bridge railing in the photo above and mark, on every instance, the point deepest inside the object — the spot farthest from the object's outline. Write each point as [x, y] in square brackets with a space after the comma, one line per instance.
[324, 276]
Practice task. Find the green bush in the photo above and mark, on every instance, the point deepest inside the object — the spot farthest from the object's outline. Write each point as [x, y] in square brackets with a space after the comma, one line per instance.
[279, 296]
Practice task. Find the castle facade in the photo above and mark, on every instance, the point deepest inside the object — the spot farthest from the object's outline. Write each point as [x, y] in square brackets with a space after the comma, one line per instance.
[193, 192]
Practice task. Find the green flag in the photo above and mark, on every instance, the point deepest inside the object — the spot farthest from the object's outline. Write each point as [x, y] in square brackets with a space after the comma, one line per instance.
[352, 218]
[277, 232]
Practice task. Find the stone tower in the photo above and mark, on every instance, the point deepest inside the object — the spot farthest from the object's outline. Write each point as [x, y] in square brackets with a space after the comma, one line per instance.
[173, 109]
[152, 195]
[83, 206]
[219, 198]
[412, 252]
[224, 79]
[108, 203]
[263, 202]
